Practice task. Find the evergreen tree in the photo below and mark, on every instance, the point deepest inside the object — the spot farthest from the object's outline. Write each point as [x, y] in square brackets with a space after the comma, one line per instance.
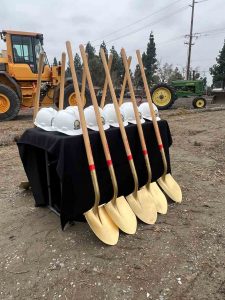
[78, 66]
[95, 66]
[117, 69]
[218, 70]
[90, 50]
[68, 72]
[138, 83]
[103, 46]
[149, 59]
[55, 63]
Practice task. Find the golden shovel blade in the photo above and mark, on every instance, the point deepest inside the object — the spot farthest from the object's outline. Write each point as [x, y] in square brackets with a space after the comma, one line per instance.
[143, 206]
[170, 187]
[102, 226]
[122, 215]
[159, 198]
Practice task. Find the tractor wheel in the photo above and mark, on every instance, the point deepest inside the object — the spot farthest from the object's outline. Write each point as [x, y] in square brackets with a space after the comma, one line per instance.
[9, 103]
[163, 95]
[70, 96]
[199, 102]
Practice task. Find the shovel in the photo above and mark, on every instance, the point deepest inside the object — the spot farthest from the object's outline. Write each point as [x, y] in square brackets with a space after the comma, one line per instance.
[118, 209]
[144, 209]
[97, 217]
[104, 92]
[155, 194]
[124, 83]
[62, 81]
[166, 181]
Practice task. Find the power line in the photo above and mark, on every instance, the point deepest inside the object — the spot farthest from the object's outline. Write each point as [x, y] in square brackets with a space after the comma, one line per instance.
[146, 26]
[138, 21]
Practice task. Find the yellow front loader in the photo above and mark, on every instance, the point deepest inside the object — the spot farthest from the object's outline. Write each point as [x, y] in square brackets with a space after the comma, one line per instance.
[19, 71]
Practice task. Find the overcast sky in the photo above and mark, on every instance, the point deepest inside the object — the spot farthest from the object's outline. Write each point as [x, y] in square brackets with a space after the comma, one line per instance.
[125, 24]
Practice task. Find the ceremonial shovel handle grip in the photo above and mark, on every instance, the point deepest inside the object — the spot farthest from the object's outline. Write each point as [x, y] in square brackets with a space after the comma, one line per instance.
[155, 124]
[37, 95]
[62, 81]
[106, 82]
[84, 127]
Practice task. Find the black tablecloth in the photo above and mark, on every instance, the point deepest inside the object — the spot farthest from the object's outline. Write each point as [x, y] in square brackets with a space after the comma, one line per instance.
[68, 165]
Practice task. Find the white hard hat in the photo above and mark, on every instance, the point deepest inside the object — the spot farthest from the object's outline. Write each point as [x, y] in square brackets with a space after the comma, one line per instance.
[91, 121]
[72, 108]
[45, 117]
[128, 110]
[145, 110]
[67, 122]
[110, 115]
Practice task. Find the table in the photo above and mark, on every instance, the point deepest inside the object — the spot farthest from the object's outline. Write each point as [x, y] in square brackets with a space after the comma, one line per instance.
[70, 185]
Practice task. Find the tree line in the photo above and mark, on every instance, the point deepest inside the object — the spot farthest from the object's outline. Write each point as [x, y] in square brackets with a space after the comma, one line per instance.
[155, 71]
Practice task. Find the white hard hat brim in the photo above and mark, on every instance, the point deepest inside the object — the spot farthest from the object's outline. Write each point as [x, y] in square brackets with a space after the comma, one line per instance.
[150, 118]
[71, 132]
[95, 128]
[46, 128]
[134, 122]
[117, 124]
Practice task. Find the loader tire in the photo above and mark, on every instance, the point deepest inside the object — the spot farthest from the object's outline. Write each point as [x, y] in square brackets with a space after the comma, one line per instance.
[9, 103]
[163, 96]
[70, 96]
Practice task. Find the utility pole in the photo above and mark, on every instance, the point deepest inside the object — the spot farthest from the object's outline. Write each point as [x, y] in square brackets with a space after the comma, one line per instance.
[190, 40]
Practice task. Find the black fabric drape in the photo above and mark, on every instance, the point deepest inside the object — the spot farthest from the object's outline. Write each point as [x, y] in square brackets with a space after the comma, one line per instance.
[68, 165]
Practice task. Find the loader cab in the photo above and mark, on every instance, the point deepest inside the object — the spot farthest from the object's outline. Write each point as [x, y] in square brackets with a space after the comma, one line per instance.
[26, 50]
[23, 49]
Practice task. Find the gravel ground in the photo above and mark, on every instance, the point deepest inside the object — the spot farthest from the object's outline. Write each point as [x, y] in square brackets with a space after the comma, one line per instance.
[180, 257]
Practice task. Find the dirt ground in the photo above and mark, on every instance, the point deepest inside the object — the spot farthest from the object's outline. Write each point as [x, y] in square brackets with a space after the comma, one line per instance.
[182, 256]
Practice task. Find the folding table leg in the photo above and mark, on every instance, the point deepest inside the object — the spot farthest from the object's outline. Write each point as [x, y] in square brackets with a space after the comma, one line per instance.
[50, 203]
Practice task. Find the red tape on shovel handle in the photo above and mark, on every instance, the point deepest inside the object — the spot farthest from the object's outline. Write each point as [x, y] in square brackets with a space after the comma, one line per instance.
[160, 147]
[145, 152]
[91, 167]
[129, 157]
[109, 162]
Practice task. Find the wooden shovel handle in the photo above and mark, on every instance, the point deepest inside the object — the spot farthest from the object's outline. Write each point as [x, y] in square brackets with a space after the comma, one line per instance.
[99, 121]
[118, 114]
[136, 112]
[104, 92]
[83, 84]
[95, 103]
[124, 83]
[120, 121]
[62, 81]
[155, 123]
[37, 95]
[80, 108]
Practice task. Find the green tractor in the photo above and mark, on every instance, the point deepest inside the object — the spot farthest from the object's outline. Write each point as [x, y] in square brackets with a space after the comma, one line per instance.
[164, 95]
